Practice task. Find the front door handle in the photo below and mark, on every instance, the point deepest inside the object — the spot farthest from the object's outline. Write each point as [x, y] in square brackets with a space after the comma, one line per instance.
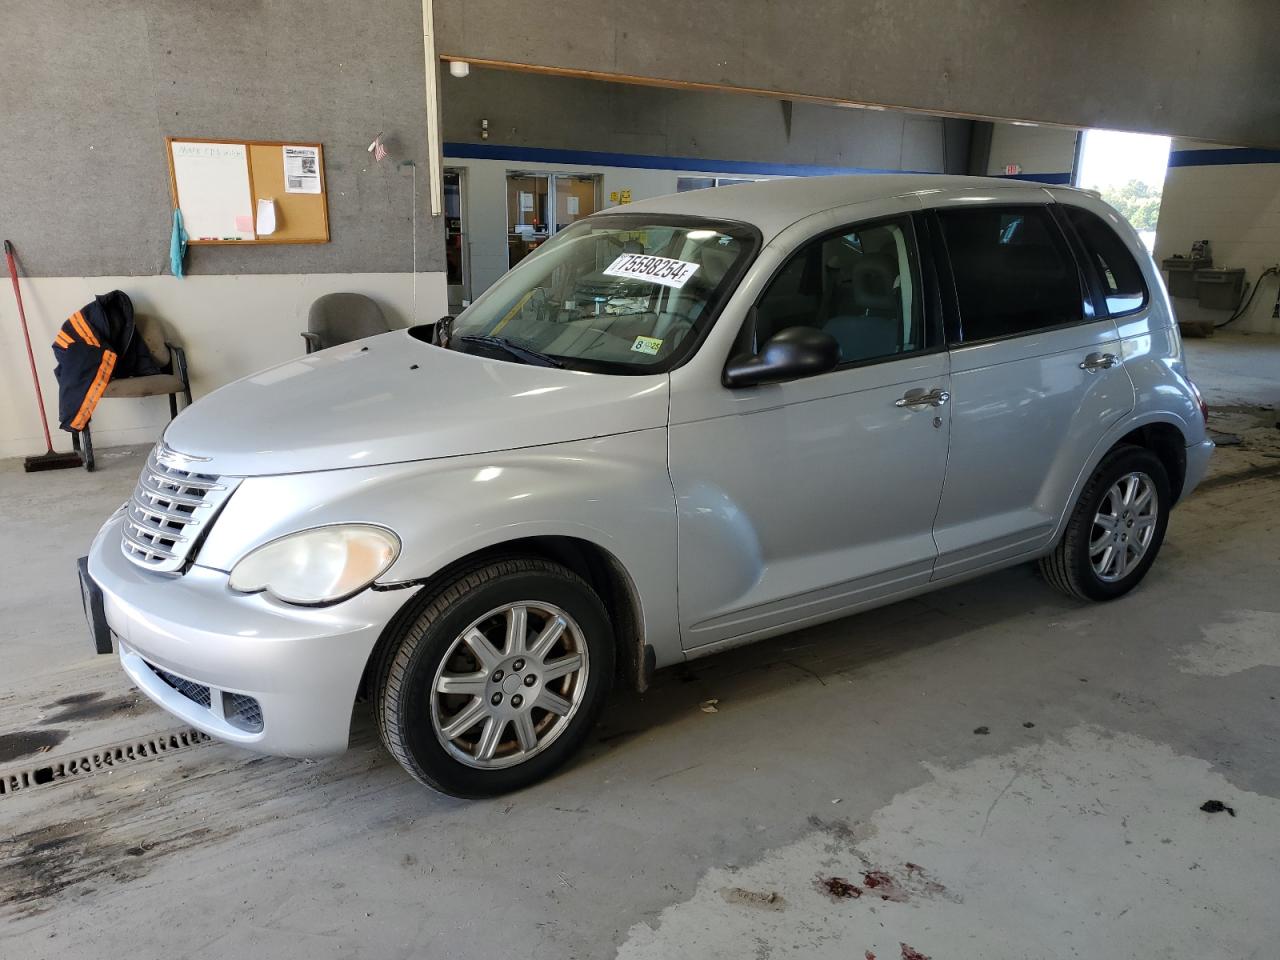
[919, 397]
[1099, 361]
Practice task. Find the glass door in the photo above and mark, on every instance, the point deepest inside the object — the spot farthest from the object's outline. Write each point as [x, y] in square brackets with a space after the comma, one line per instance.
[527, 214]
[576, 196]
[455, 242]
[540, 205]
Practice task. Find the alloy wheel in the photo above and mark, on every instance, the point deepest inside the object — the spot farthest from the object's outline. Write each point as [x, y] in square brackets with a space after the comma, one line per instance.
[509, 685]
[1123, 527]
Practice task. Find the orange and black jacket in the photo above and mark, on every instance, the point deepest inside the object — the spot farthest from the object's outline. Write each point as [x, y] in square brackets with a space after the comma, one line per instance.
[95, 344]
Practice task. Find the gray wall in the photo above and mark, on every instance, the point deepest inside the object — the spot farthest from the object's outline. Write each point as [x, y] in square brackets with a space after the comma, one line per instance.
[1186, 67]
[89, 89]
[526, 109]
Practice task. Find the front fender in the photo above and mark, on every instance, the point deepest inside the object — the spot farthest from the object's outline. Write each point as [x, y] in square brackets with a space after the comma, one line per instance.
[613, 492]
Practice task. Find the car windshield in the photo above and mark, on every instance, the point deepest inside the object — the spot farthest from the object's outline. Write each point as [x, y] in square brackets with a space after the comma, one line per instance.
[623, 293]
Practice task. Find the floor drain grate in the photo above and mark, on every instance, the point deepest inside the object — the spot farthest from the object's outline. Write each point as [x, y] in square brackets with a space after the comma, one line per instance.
[88, 762]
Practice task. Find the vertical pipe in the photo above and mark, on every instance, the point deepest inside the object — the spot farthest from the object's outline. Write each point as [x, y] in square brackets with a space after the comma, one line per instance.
[431, 62]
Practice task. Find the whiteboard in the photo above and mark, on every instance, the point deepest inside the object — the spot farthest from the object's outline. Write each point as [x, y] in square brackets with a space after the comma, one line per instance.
[212, 181]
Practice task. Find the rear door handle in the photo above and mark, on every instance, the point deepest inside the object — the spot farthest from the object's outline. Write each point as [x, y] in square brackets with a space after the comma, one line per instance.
[919, 397]
[1099, 361]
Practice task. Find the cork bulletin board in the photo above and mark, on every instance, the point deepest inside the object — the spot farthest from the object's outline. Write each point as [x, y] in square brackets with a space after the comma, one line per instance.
[221, 186]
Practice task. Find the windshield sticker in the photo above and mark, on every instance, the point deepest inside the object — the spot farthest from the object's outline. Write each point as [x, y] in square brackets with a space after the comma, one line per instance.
[649, 345]
[639, 266]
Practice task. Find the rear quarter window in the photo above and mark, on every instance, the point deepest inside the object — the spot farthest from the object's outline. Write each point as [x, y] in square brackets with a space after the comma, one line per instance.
[1123, 287]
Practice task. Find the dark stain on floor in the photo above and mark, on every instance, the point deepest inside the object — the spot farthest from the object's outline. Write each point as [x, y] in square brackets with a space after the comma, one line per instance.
[37, 865]
[92, 707]
[24, 743]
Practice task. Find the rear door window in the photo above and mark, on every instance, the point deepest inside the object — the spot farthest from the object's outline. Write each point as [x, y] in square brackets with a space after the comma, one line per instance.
[1122, 285]
[1014, 273]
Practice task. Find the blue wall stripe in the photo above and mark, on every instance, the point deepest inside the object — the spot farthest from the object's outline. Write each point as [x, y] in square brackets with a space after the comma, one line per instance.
[597, 158]
[1062, 179]
[1215, 158]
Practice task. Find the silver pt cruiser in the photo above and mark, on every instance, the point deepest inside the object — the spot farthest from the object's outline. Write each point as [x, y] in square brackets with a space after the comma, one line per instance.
[679, 426]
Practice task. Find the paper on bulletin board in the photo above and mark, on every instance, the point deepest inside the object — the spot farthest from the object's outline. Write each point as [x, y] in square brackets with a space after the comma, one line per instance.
[302, 169]
[266, 217]
[212, 181]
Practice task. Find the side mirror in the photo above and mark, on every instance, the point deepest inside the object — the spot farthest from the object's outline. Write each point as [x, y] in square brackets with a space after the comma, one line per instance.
[442, 331]
[788, 355]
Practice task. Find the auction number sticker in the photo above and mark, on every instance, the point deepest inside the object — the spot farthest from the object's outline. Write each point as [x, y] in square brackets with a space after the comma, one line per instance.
[640, 266]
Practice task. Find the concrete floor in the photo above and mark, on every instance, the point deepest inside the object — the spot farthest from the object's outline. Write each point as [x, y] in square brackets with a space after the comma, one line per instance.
[997, 771]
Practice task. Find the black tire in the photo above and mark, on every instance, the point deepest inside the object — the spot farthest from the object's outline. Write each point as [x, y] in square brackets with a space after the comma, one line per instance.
[1068, 567]
[406, 673]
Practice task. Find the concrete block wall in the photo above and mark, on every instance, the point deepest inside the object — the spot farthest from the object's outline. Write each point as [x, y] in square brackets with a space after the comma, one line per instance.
[90, 92]
[1230, 197]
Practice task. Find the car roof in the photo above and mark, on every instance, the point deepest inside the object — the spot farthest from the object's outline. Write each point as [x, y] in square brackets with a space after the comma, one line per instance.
[773, 205]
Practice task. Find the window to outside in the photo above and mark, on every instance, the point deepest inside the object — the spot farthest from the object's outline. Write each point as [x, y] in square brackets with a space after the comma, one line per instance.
[1128, 169]
[685, 184]
[858, 285]
[1014, 273]
[623, 293]
[1122, 283]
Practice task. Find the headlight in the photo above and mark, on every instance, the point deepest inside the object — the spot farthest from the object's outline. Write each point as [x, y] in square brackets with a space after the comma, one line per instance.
[318, 566]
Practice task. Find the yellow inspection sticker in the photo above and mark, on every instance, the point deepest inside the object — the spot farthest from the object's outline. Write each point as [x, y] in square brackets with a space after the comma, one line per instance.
[649, 345]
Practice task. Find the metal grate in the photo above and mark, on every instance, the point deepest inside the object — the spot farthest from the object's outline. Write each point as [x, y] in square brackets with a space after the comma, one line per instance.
[101, 758]
[195, 692]
[168, 509]
[242, 711]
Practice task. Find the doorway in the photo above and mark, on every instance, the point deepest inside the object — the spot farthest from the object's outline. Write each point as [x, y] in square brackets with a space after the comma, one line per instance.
[1128, 169]
[540, 205]
[457, 269]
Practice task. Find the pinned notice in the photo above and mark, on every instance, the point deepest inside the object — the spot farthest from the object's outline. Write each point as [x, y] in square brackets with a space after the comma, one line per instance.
[302, 169]
[266, 217]
[638, 266]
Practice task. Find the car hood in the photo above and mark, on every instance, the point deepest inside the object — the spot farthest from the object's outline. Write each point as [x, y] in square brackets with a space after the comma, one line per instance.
[393, 398]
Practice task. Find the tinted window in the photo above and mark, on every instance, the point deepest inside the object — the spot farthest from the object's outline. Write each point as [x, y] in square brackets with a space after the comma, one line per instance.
[1122, 283]
[1013, 271]
[859, 285]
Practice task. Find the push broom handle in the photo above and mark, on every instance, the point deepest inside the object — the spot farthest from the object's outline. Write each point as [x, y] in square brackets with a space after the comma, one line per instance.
[31, 357]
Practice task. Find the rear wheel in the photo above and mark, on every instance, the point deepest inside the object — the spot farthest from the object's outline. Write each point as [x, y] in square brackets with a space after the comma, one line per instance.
[498, 679]
[1115, 530]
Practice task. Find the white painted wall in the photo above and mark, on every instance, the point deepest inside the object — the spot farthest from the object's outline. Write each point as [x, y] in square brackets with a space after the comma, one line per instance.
[1236, 207]
[231, 326]
[1037, 149]
[485, 203]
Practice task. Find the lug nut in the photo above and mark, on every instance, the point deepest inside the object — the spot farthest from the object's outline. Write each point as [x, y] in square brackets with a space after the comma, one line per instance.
[497, 676]
[517, 700]
[530, 680]
[518, 665]
[496, 699]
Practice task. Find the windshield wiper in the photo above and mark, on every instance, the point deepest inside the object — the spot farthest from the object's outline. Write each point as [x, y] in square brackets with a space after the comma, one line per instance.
[523, 353]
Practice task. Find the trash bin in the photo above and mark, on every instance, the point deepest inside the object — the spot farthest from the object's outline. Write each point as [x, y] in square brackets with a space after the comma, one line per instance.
[1219, 288]
[1182, 274]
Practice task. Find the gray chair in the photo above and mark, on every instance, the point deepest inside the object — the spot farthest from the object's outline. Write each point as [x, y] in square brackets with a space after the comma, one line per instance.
[338, 318]
[177, 381]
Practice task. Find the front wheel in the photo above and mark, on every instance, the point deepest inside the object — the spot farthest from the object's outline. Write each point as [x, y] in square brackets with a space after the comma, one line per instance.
[498, 679]
[1116, 529]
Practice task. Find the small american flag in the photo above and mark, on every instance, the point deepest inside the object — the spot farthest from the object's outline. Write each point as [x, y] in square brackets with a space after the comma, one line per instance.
[378, 148]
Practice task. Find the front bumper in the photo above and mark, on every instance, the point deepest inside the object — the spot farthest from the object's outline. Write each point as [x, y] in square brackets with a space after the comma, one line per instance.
[302, 664]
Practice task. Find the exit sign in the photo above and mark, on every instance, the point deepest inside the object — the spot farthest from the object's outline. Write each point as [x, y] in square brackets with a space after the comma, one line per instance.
[1012, 169]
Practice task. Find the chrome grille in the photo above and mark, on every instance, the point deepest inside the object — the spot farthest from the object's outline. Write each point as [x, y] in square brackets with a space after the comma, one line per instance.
[169, 508]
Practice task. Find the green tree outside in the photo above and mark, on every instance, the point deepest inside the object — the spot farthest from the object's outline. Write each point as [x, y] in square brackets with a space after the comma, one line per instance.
[1139, 203]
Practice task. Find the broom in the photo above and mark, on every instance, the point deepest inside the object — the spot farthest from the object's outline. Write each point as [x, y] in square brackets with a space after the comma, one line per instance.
[49, 460]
